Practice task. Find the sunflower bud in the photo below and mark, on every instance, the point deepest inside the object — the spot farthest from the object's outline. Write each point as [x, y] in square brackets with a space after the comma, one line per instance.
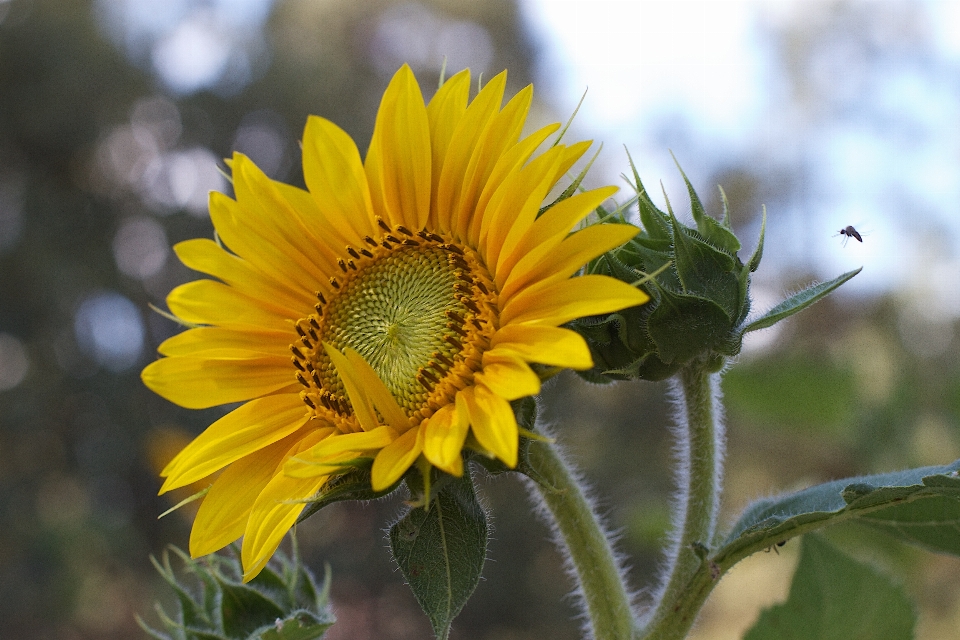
[699, 295]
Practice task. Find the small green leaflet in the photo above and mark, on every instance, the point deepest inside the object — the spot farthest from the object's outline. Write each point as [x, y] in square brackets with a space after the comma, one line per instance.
[798, 302]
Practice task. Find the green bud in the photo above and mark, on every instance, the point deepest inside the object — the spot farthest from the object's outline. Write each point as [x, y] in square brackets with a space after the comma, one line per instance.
[699, 295]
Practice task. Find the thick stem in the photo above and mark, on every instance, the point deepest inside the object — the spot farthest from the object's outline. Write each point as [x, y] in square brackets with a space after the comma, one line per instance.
[591, 556]
[701, 444]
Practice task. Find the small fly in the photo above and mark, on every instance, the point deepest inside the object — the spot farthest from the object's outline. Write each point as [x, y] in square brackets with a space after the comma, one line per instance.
[849, 232]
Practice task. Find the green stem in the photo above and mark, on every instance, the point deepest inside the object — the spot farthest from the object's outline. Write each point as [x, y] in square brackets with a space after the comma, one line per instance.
[701, 435]
[600, 579]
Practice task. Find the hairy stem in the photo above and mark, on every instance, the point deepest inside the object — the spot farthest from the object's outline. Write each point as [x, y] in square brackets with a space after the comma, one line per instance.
[701, 444]
[605, 595]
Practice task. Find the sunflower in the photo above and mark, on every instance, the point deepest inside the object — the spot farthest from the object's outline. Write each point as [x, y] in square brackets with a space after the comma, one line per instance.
[389, 312]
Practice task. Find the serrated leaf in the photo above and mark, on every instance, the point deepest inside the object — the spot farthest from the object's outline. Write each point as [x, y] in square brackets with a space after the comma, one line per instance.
[882, 496]
[798, 302]
[834, 597]
[441, 551]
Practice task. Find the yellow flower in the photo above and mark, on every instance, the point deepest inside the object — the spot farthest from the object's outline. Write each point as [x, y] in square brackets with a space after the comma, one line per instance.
[413, 290]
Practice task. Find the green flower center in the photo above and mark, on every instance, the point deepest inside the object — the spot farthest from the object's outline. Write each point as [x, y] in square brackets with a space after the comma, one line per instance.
[419, 310]
[392, 314]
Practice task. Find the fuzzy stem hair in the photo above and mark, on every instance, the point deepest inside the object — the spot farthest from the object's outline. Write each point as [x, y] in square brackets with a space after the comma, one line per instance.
[700, 448]
[586, 544]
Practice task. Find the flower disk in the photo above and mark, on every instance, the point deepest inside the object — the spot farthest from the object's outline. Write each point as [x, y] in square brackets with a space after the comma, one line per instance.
[419, 311]
[390, 312]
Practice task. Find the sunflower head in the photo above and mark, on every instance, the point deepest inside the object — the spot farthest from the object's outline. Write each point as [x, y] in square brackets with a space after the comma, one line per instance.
[699, 291]
[384, 318]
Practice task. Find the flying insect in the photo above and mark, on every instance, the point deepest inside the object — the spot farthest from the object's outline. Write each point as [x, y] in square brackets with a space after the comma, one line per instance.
[849, 232]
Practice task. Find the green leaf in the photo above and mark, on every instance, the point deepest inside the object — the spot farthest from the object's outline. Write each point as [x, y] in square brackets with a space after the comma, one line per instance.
[195, 613]
[244, 609]
[799, 301]
[933, 523]
[441, 551]
[712, 231]
[883, 500]
[353, 484]
[754, 261]
[834, 597]
[683, 327]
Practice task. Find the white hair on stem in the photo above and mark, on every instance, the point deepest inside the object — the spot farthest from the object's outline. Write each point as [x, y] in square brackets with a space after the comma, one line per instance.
[542, 509]
[682, 448]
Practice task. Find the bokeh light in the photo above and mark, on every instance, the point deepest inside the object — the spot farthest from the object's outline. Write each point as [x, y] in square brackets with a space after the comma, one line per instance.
[109, 328]
[14, 362]
[190, 44]
[140, 247]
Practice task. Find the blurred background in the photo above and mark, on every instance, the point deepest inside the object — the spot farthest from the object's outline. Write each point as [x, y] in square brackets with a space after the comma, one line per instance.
[114, 117]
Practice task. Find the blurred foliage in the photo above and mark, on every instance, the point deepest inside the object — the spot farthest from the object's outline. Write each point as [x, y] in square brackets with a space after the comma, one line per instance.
[284, 602]
[93, 147]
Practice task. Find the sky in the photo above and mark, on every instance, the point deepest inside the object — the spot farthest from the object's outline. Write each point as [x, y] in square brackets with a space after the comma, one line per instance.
[849, 109]
[881, 152]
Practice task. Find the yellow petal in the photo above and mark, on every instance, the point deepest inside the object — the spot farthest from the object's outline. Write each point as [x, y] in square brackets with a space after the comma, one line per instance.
[275, 224]
[580, 248]
[570, 157]
[359, 399]
[272, 517]
[509, 377]
[223, 513]
[444, 112]
[243, 431]
[501, 133]
[336, 179]
[275, 511]
[509, 162]
[327, 233]
[395, 458]
[210, 302]
[514, 207]
[398, 164]
[206, 256]
[508, 256]
[200, 382]
[542, 241]
[493, 423]
[560, 302]
[547, 345]
[204, 340]
[462, 145]
[381, 397]
[306, 463]
[234, 229]
[444, 435]
[560, 219]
